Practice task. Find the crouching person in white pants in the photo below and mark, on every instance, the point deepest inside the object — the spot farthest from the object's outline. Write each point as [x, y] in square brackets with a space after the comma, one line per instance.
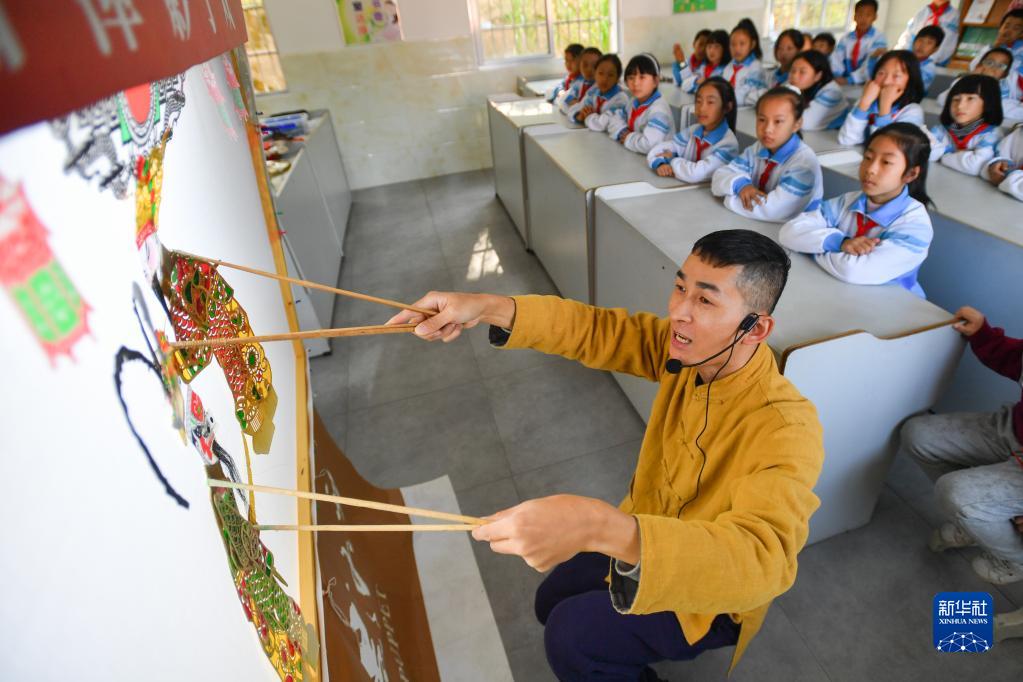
[976, 462]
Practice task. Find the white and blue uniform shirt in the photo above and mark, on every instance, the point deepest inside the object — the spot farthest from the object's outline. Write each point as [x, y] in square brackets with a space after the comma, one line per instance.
[779, 77]
[967, 150]
[902, 225]
[791, 178]
[1010, 149]
[691, 83]
[575, 93]
[855, 63]
[555, 94]
[680, 71]
[643, 124]
[927, 67]
[696, 153]
[606, 105]
[747, 78]
[859, 125]
[947, 17]
[827, 109]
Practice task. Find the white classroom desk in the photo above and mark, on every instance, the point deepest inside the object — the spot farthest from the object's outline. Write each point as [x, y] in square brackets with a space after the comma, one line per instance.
[564, 168]
[866, 356]
[975, 259]
[508, 115]
[522, 81]
[539, 88]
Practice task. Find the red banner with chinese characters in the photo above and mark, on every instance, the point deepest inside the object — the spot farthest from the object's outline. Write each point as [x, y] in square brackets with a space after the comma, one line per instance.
[60, 55]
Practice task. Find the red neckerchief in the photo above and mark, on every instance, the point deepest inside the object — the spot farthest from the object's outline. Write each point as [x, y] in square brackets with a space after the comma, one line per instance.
[855, 57]
[766, 175]
[708, 69]
[735, 72]
[582, 91]
[961, 143]
[636, 113]
[864, 224]
[568, 80]
[700, 146]
[935, 17]
[693, 64]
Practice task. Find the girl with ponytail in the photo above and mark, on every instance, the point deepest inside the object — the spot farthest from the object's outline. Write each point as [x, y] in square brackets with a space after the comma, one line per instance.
[881, 234]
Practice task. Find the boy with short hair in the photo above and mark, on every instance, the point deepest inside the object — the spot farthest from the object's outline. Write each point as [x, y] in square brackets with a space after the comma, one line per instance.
[572, 54]
[855, 53]
[927, 42]
[1010, 36]
[823, 43]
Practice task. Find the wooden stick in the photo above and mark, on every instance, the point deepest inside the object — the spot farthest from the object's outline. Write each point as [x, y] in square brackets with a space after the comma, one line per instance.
[313, 285]
[288, 336]
[348, 501]
[411, 527]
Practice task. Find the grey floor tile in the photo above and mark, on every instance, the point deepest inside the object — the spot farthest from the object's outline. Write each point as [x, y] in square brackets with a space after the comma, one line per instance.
[396, 253]
[604, 474]
[396, 366]
[510, 583]
[414, 440]
[862, 601]
[388, 195]
[479, 250]
[466, 214]
[529, 663]
[334, 413]
[778, 652]
[407, 287]
[559, 410]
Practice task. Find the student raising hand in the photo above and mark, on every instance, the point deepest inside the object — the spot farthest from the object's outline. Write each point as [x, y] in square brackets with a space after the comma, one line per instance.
[679, 53]
[970, 321]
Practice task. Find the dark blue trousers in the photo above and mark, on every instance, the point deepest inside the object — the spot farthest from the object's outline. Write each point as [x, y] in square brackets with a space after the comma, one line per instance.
[587, 639]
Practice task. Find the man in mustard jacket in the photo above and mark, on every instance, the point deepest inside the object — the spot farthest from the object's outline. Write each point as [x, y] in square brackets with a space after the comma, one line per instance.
[722, 494]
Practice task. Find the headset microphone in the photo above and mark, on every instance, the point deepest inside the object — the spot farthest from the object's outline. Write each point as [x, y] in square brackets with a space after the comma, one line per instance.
[673, 366]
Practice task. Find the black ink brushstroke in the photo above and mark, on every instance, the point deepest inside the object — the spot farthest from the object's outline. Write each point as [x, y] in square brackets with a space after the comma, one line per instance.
[124, 356]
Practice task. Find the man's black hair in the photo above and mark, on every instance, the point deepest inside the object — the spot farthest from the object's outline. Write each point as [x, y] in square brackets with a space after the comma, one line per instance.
[765, 265]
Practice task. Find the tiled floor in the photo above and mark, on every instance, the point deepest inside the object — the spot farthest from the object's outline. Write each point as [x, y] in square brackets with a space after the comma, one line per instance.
[512, 425]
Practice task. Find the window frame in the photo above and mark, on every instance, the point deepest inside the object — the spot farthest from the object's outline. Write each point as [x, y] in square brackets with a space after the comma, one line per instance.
[274, 53]
[498, 62]
[773, 33]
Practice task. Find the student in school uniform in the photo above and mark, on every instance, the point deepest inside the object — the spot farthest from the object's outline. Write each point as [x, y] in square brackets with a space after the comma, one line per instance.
[786, 47]
[823, 43]
[826, 107]
[939, 13]
[1010, 37]
[717, 57]
[976, 462]
[605, 99]
[997, 63]
[745, 73]
[1005, 170]
[697, 151]
[682, 68]
[572, 54]
[647, 118]
[926, 43]
[851, 60]
[578, 89]
[893, 94]
[778, 176]
[966, 138]
[880, 234]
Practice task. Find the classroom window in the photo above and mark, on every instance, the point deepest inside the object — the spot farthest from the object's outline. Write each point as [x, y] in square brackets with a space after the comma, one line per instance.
[261, 48]
[808, 15]
[511, 29]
